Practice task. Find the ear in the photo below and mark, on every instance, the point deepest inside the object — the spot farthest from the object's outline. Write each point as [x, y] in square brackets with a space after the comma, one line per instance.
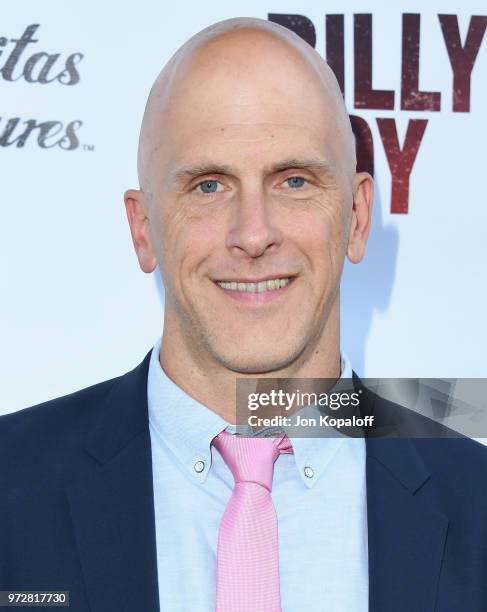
[363, 190]
[138, 219]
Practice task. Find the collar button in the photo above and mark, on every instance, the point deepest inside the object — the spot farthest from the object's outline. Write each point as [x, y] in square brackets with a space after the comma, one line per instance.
[199, 467]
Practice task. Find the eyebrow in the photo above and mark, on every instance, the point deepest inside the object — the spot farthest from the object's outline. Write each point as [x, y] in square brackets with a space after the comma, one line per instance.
[180, 175]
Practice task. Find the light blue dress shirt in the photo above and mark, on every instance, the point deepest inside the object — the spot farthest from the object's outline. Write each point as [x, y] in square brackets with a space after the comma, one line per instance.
[322, 518]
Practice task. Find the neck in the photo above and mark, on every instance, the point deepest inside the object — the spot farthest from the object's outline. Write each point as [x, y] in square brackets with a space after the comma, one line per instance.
[213, 385]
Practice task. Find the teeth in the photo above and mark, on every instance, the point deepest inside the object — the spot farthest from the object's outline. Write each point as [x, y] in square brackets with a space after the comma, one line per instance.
[269, 285]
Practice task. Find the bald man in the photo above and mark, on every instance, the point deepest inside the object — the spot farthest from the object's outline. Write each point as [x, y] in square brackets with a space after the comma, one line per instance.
[139, 493]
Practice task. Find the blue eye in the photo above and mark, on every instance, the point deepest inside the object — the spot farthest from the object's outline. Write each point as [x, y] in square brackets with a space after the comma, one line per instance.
[209, 186]
[295, 181]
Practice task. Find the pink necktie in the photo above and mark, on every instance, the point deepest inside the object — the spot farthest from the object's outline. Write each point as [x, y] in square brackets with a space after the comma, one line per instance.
[248, 556]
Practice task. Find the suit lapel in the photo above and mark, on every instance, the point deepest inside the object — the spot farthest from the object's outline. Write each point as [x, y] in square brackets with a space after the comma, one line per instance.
[111, 503]
[406, 531]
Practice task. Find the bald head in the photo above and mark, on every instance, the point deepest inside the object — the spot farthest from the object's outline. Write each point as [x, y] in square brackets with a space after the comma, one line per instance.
[229, 71]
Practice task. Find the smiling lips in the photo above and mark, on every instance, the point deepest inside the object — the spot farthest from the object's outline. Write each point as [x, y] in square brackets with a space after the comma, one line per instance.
[256, 292]
[255, 287]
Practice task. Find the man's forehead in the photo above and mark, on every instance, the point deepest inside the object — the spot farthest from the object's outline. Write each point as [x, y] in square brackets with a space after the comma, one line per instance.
[246, 149]
[243, 139]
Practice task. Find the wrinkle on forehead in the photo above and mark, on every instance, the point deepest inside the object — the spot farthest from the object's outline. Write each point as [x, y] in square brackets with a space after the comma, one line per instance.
[239, 48]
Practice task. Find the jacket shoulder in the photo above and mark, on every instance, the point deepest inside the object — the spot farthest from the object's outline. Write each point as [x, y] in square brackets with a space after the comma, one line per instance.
[56, 425]
[457, 464]
[463, 457]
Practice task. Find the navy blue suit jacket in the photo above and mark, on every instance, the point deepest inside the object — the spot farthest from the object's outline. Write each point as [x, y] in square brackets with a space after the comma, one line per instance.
[77, 513]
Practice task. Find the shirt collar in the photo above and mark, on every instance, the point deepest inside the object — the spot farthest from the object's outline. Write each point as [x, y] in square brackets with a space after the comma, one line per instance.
[184, 425]
[187, 427]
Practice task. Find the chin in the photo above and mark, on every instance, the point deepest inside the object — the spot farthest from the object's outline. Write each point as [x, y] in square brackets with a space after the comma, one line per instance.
[253, 360]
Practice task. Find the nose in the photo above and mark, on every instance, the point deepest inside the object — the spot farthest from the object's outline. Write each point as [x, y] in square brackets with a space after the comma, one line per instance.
[253, 230]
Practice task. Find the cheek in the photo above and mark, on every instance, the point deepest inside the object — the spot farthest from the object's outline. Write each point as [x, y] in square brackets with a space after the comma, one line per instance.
[319, 232]
[191, 238]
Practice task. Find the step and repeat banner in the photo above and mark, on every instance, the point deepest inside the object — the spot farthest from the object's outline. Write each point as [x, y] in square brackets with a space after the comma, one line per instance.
[74, 80]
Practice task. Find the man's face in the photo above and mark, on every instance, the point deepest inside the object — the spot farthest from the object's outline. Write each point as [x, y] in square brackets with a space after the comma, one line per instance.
[249, 212]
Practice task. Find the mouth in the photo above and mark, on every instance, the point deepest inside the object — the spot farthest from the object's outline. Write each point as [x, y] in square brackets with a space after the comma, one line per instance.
[256, 291]
[255, 286]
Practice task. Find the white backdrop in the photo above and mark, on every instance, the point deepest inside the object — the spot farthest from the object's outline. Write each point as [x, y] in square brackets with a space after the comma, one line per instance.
[75, 307]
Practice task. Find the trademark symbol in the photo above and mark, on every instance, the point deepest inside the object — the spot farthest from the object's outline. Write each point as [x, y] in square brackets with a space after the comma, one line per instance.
[87, 147]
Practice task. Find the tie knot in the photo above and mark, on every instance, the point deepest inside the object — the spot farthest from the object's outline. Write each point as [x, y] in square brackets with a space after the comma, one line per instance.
[251, 459]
